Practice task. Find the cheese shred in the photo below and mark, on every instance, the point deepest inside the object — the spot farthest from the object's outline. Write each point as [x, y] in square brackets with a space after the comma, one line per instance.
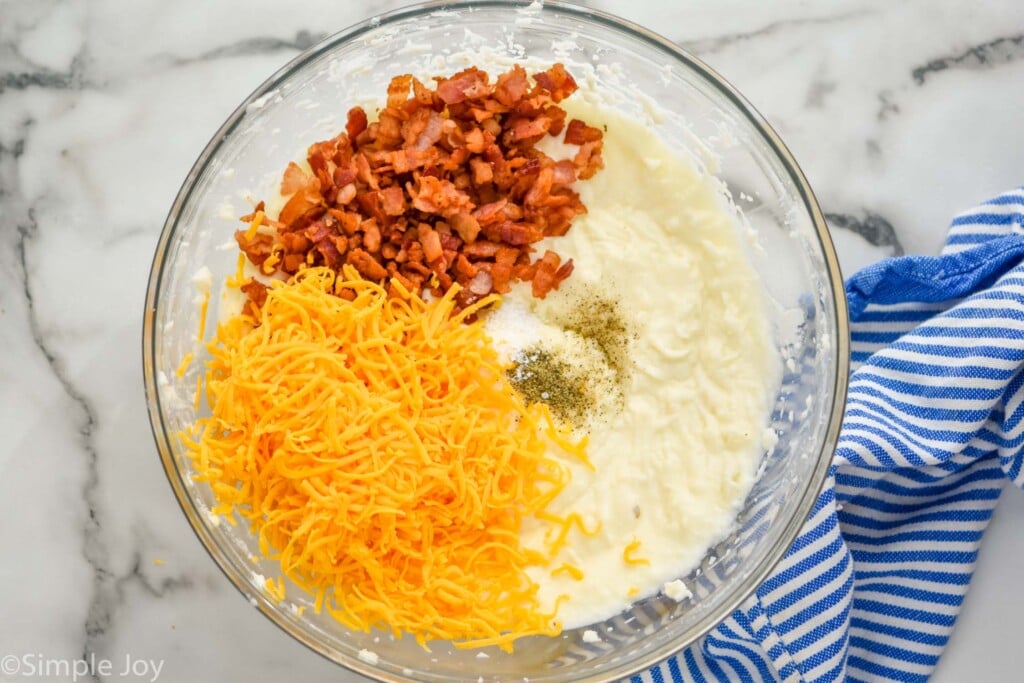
[628, 554]
[380, 457]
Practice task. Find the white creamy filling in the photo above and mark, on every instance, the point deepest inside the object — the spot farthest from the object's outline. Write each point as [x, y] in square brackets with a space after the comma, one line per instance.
[676, 450]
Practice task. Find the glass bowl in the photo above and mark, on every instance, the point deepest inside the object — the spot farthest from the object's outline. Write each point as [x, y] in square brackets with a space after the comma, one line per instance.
[696, 113]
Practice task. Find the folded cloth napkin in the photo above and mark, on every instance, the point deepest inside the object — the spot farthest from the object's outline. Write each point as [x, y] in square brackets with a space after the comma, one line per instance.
[933, 428]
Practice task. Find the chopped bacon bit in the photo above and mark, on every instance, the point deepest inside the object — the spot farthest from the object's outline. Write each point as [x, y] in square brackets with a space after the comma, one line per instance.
[481, 284]
[300, 203]
[557, 81]
[422, 130]
[398, 90]
[577, 133]
[464, 269]
[422, 95]
[466, 225]
[467, 84]
[511, 86]
[257, 248]
[518, 234]
[589, 160]
[481, 249]
[294, 179]
[446, 186]
[529, 129]
[356, 122]
[440, 197]
[482, 171]
[392, 201]
[367, 266]
[548, 275]
[431, 243]
[256, 290]
[371, 235]
[563, 173]
[255, 210]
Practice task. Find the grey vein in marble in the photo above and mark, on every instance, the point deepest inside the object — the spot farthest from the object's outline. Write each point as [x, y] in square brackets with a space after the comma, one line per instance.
[708, 46]
[45, 78]
[303, 40]
[875, 229]
[983, 56]
[101, 602]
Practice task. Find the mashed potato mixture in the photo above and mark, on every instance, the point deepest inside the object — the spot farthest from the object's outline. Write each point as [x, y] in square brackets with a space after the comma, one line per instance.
[663, 322]
[482, 374]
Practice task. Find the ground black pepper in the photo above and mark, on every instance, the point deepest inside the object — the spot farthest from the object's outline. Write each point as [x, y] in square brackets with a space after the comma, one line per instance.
[541, 376]
[599, 319]
[572, 383]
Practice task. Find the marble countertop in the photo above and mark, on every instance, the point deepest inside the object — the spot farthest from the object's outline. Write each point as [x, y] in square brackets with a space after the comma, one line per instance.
[901, 115]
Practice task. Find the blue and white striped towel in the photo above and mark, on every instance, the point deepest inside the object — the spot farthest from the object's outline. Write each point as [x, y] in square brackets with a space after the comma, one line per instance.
[933, 429]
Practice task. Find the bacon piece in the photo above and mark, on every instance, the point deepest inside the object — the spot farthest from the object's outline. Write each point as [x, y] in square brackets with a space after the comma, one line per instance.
[344, 175]
[518, 234]
[422, 130]
[392, 201]
[330, 252]
[389, 129]
[467, 84]
[529, 128]
[511, 86]
[548, 275]
[577, 133]
[367, 266]
[466, 225]
[440, 197]
[540, 190]
[301, 202]
[294, 179]
[556, 81]
[295, 243]
[589, 160]
[356, 122]
[422, 95]
[491, 212]
[501, 272]
[247, 218]
[431, 243]
[256, 291]
[398, 90]
[464, 269]
[482, 171]
[256, 249]
[319, 230]
[371, 235]
[481, 284]
[563, 173]
[481, 249]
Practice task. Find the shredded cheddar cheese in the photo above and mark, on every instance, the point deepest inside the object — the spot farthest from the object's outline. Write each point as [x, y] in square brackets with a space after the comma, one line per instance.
[239, 278]
[183, 366]
[197, 398]
[572, 570]
[378, 454]
[203, 312]
[628, 554]
[562, 527]
[275, 588]
[254, 225]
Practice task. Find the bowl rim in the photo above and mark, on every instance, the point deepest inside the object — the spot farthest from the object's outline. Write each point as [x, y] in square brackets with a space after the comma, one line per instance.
[840, 347]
